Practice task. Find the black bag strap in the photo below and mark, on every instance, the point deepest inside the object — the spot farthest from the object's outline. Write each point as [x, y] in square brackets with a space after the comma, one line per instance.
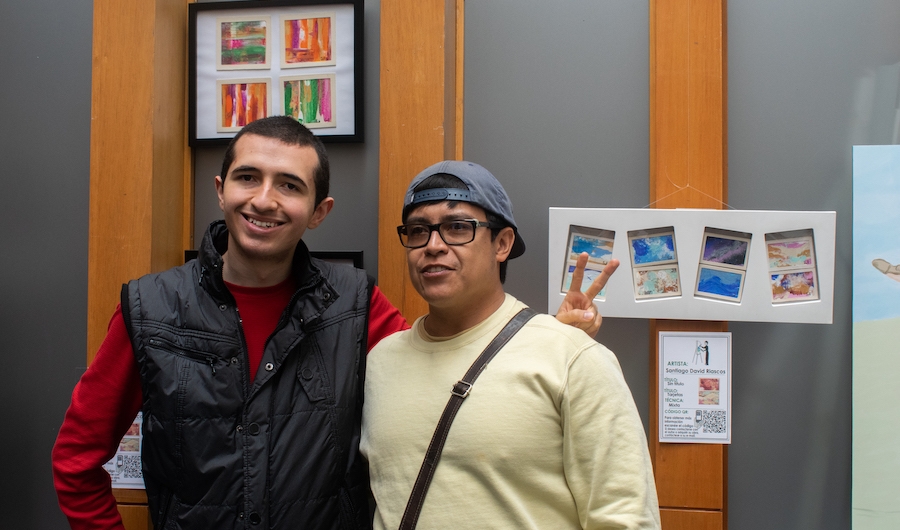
[459, 392]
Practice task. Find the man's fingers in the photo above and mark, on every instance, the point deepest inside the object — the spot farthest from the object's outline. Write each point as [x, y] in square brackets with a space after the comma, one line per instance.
[600, 281]
[578, 273]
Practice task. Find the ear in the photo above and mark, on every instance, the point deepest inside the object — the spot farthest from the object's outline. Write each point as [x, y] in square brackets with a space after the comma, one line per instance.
[220, 192]
[503, 243]
[321, 211]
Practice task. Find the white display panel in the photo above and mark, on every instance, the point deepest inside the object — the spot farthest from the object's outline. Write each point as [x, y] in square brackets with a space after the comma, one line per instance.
[756, 302]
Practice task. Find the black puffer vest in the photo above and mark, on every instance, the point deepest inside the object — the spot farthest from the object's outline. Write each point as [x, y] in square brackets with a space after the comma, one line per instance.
[220, 452]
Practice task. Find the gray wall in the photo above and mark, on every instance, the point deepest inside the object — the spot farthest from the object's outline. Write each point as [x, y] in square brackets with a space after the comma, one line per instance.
[44, 155]
[556, 106]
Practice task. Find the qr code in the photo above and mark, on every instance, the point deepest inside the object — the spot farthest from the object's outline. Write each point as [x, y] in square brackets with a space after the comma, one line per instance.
[132, 467]
[713, 421]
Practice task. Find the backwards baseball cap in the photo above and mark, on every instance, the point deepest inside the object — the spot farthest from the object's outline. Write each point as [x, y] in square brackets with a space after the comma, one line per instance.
[484, 190]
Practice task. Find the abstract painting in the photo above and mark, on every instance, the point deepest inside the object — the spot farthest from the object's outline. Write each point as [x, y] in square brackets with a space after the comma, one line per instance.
[720, 283]
[309, 99]
[656, 282]
[243, 43]
[725, 250]
[598, 244]
[794, 286]
[653, 249]
[791, 253]
[308, 41]
[241, 102]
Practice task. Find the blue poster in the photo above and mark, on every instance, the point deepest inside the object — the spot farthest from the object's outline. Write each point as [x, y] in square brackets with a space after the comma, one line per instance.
[876, 337]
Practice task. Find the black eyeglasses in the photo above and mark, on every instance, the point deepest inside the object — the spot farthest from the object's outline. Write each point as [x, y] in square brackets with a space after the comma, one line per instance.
[456, 232]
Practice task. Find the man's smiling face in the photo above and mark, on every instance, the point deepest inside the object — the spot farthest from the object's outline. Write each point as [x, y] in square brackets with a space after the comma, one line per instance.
[268, 198]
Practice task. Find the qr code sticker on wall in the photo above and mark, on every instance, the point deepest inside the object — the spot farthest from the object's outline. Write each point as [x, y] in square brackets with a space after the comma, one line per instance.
[132, 466]
[713, 421]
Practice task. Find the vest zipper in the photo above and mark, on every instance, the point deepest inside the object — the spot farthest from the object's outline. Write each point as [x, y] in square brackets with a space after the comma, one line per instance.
[187, 353]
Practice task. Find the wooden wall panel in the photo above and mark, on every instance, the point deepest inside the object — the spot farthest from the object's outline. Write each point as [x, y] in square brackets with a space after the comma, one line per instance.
[688, 169]
[138, 149]
[420, 120]
[691, 520]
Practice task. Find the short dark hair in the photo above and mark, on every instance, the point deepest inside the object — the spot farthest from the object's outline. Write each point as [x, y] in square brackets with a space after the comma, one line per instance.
[291, 132]
[444, 180]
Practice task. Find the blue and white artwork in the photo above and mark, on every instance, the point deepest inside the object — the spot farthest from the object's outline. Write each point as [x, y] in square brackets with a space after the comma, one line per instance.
[653, 249]
[719, 283]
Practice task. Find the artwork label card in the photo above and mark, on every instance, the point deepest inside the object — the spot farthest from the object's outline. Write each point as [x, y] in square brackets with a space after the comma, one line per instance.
[694, 387]
[124, 467]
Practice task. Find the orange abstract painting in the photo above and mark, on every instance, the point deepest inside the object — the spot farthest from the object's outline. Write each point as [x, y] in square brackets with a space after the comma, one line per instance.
[308, 41]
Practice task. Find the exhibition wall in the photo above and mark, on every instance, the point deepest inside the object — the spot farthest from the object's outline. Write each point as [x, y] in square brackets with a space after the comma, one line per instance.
[556, 106]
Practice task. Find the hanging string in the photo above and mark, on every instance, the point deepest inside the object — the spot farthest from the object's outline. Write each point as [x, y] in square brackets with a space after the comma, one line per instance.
[690, 187]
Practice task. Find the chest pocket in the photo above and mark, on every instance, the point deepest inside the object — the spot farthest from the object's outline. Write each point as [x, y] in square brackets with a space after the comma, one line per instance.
[312, 375]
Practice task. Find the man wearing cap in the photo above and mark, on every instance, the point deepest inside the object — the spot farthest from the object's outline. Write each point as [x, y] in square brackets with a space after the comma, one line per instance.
[548, 436]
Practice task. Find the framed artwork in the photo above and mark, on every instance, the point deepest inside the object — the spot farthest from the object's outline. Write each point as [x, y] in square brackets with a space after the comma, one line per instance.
[792, 266]
[308, 99]
[307, 41]
[243, 42]
[241, 101]
[598, 244]
[654, 263]
[251, 59]
[723, 265]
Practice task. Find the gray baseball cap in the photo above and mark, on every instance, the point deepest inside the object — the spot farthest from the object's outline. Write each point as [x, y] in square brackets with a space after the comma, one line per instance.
[484, 191]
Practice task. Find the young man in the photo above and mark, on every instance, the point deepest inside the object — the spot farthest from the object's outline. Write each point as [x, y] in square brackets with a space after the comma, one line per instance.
[548, 437]
[247, 363]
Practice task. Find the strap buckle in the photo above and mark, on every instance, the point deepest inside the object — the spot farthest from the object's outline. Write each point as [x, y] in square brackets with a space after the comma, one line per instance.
[461, 389]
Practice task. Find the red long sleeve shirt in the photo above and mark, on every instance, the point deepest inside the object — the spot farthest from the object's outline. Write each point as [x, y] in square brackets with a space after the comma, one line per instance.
[108, 397]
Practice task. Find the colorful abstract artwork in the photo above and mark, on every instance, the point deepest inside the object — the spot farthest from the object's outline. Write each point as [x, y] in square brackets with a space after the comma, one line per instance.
[654, 263]
[309, 100]
[723, 264]
[794, 286]
[653, 249]
[719, 283]
[792, 266]
[725, 250]
[797, 252]
[876, 337]
[243, 43]
[241, 102]
[656, 282]
[308, 41]
[598, 244]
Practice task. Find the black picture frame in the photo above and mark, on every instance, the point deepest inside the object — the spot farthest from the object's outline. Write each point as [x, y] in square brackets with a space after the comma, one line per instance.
[344, 77]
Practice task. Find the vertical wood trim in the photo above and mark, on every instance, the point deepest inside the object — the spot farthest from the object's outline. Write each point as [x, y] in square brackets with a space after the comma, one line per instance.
[420, 121]
[137, 148]
[688, 169]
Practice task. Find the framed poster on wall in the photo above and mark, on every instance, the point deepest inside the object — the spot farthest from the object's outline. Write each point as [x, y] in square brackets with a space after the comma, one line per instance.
[252, 59]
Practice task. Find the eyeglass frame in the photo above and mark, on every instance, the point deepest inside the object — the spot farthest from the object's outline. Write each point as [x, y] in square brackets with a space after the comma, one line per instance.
[436, 227]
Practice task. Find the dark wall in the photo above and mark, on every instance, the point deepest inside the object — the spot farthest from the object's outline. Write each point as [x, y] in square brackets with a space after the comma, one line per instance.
[44, 162]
